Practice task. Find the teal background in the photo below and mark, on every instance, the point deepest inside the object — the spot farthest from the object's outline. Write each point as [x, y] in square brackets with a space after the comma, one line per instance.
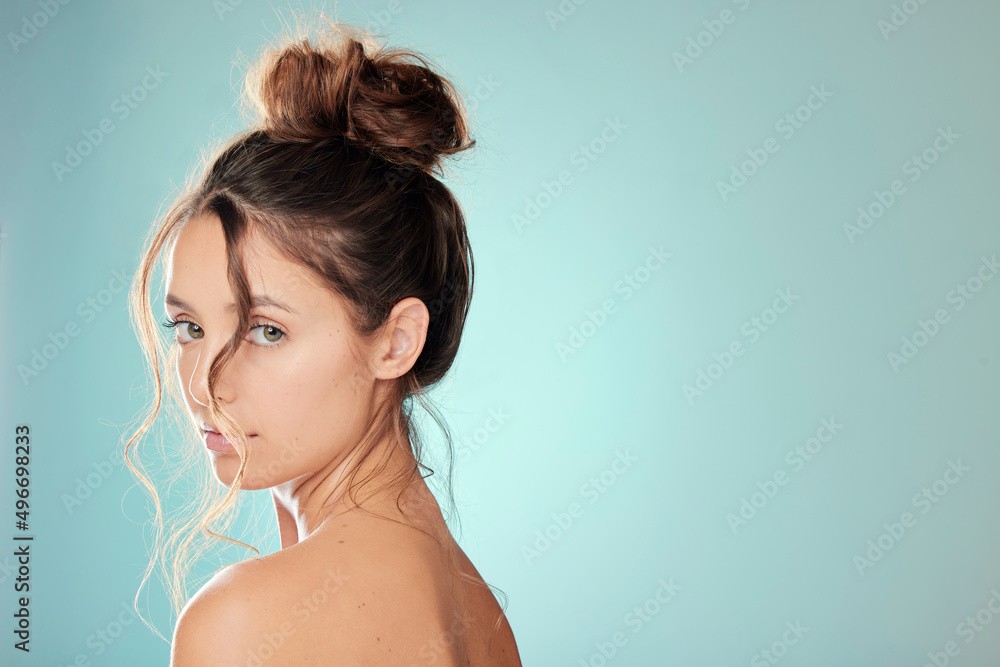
[542, 90]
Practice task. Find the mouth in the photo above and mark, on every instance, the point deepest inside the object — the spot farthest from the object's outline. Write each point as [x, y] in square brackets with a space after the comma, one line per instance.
[217, 442]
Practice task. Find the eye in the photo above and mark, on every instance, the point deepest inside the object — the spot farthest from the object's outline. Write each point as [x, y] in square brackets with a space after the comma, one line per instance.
[270, 334]
[191, 329]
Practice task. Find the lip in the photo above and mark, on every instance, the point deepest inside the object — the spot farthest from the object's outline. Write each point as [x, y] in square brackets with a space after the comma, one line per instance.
[217, 442]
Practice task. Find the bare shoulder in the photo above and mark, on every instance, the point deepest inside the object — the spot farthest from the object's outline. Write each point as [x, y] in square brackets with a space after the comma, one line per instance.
[367, 591]
[220, 622]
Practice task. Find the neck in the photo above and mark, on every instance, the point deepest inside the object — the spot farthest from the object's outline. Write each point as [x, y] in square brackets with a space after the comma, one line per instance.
[304, 504]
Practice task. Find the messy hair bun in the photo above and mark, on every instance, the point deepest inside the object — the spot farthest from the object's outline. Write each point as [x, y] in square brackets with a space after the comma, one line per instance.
[343, 84]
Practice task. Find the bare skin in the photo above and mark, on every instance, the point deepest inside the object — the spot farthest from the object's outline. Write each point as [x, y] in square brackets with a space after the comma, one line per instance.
[350, 586]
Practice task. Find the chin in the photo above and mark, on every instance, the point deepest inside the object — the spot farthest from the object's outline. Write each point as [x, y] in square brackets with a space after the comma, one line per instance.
[226, 466]
[225, 471]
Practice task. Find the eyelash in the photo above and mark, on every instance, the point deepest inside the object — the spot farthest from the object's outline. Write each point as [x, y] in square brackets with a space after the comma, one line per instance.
[171, 323]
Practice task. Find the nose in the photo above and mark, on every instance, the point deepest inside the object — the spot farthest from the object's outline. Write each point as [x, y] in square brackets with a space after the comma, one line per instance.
[198, 382]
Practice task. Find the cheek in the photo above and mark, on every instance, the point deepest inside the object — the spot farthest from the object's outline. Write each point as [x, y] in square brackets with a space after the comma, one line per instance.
[312, 394]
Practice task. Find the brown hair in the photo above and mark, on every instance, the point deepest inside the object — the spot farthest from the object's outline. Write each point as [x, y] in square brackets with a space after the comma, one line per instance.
[338, 173]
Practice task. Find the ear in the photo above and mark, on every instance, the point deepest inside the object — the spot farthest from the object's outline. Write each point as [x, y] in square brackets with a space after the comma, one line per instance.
[404, 335]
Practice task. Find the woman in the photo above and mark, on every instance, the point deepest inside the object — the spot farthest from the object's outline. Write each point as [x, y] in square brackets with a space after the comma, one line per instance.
[318, 280]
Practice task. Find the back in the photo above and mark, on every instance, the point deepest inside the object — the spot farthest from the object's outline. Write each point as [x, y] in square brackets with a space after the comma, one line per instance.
[364, 590]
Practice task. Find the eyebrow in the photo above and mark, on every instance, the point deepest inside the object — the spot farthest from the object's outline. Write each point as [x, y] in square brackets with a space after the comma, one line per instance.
[259, 301]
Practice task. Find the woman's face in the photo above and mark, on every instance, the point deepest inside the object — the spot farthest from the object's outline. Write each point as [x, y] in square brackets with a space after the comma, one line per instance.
[294, 384]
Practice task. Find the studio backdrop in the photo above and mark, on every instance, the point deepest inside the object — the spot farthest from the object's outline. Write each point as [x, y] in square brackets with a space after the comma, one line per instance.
[727, 392]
